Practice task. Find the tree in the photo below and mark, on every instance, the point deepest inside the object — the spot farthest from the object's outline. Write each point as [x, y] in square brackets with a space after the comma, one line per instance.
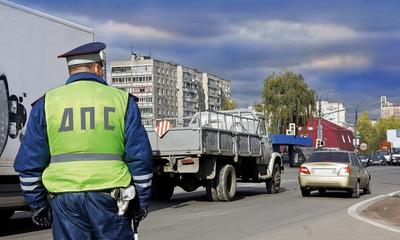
[374, 135]
[381, 128]
[287, 99]
[367, 130]
[228, 104]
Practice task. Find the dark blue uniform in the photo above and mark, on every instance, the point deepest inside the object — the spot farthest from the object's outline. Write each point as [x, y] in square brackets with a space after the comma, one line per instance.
[99, 208]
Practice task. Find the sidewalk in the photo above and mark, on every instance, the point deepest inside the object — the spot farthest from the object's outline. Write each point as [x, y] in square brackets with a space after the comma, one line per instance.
[386, 210]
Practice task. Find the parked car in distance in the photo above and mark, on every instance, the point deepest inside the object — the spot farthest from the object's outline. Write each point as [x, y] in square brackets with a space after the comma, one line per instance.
[396, 156]
[365, 159]
[378, 159]
[338, 170]
[387, 155]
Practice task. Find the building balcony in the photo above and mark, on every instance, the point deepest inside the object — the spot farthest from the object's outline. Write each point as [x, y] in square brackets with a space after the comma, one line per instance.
[144, 104]
[189, 99]
[190, 90]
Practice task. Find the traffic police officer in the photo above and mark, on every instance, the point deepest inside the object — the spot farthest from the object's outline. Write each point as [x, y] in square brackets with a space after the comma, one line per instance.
[84, 140]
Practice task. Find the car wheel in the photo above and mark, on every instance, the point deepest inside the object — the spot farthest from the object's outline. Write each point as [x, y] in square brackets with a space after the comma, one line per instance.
[367, 189]
[356, 190]
[305, 192]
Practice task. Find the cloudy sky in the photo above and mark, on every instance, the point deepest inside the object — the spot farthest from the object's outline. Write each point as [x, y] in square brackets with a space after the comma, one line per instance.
[350, 46]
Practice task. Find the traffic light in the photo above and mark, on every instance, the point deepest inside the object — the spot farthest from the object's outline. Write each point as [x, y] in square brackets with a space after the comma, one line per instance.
[291, 130]
[319, 143]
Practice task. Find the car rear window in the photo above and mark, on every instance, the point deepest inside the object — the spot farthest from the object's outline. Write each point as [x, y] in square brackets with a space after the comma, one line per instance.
[384, 152]
[336, 157]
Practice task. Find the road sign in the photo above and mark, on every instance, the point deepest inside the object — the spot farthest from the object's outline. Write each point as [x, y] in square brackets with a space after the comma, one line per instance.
[162, 128]
[363, 146]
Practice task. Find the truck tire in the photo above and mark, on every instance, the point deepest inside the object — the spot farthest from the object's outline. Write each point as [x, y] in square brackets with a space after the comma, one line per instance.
[5, 215]
[226, 187]
[162, 188]
[274, 183]
[211, 190]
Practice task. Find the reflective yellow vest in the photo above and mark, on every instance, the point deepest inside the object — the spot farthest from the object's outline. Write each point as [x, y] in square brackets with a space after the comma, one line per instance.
[85, 126]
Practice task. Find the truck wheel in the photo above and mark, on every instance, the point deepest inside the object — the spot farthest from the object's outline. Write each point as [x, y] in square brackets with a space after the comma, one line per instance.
[226, 187]
[162, 188]
[274, 184]
[211, 190]
[5, 215]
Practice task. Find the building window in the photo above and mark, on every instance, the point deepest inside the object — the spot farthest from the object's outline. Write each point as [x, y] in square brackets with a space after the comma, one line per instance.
[398, 133]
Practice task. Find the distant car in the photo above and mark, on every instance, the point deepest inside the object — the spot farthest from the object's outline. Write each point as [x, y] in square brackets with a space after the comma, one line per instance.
[338, 170]
[387, 155]
[365, 159]
[378, 159]
[396, 156]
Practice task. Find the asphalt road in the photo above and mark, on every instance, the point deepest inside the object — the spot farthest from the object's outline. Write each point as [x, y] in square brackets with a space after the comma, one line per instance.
[252, 215]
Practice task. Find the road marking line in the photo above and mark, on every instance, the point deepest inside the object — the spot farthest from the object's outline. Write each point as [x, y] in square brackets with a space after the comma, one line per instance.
[352, 211]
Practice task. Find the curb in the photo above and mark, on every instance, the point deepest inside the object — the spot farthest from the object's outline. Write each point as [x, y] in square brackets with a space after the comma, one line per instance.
[358, 207]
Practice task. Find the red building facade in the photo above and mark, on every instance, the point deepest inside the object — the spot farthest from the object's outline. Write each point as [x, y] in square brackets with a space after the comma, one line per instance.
[334, 136]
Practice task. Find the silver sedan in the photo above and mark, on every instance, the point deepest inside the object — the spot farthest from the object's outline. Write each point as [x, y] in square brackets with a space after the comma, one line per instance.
[334, 170]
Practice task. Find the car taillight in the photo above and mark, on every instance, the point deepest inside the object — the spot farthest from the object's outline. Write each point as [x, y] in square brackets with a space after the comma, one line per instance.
[344, 171]
[304, 170]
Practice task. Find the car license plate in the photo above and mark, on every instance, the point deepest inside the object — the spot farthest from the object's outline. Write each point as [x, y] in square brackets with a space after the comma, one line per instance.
[323, 171]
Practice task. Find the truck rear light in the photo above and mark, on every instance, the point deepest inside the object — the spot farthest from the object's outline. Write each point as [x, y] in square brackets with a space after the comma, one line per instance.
[345, 171]
[187, 161]
[304, 170]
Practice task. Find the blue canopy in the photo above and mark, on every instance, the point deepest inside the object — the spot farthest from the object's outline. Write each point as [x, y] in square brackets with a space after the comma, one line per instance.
[291, 140]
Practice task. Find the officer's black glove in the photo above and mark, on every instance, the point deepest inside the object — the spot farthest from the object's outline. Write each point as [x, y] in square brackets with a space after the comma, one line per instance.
[140, 214]
[42, 216]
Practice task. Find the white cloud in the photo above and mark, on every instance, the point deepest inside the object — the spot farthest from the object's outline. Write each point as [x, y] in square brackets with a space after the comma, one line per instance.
[334, 62]
[112, 29]
[278, 32]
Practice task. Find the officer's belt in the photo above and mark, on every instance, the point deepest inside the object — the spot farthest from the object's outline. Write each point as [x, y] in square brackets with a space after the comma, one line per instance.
[85, 157]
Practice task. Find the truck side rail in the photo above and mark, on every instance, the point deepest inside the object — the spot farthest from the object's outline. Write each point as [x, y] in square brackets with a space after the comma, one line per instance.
[210, 132]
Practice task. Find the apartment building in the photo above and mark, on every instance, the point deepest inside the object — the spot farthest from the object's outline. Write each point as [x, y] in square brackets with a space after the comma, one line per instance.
[168, 90]
[153, 82]
[212, 91]
[389, 109]
[190, 91]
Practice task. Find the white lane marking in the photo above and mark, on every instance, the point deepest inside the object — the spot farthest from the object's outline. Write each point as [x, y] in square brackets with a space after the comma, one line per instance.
[352, 211]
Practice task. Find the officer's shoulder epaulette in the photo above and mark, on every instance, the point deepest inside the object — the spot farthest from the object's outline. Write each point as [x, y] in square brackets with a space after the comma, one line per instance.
[134, 97]
[33, 104]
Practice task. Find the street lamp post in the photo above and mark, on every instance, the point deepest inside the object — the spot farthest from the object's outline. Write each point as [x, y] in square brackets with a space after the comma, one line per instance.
[355, 123]
[319, 127]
